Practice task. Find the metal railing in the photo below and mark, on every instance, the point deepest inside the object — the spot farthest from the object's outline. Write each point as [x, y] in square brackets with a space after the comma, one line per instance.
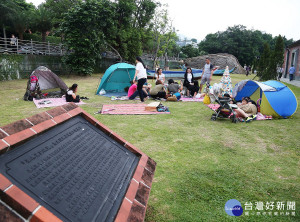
[16, 46]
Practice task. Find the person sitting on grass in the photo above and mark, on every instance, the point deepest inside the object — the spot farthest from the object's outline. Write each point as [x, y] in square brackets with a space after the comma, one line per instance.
[132, 91]
[194, 88]
[173, 87]
[160, 76]
[188, 80]
[71, 94]
[246, 110]
[158, 91]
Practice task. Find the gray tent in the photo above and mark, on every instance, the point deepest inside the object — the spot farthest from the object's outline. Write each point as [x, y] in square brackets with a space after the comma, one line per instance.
[43, 80]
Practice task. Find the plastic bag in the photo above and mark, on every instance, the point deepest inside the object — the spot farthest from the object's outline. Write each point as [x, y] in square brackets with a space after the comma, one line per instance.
[102, 92]
[206, 99]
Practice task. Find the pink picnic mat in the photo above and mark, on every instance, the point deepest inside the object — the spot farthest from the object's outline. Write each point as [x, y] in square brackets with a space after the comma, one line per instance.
[213, 106]
[51, 102]
[186, 99]
[127, 109]
[261, 116]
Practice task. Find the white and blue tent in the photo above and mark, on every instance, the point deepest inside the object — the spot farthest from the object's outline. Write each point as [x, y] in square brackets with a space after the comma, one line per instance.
[274, 98]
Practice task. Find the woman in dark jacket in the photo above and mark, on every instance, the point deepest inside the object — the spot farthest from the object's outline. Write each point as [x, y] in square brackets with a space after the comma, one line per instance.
[188, 80]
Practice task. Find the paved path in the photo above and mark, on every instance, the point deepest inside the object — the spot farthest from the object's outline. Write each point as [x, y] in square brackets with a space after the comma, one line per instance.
[294, 82]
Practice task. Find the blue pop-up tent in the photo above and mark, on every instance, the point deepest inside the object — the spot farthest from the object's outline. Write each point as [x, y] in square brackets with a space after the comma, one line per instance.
[274, 97]
[116, 78]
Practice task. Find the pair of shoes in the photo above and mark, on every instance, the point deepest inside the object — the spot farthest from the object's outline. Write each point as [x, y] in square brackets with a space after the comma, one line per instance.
[83, 97]
[249, 119]
[254, 117]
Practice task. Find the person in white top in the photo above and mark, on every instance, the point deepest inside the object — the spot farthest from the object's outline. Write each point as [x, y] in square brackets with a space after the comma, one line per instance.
[141, 75]
[160, 76]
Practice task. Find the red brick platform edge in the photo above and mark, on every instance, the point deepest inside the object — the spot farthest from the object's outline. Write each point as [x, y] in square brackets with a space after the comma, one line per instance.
[19, 204]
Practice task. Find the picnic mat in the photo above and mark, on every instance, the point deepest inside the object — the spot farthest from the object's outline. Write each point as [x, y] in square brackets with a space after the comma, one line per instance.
[128, 109]
[186, 99]
[51, 102]
[115, 94]
[213, 106]
[261, 116]
[123, 98]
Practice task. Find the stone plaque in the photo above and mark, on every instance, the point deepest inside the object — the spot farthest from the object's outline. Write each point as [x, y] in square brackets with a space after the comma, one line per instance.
[74, 170]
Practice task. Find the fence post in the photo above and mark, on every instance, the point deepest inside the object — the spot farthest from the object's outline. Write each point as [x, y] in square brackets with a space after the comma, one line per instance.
[48, 47]
[17, 46]
[31, 47]
[60, 49]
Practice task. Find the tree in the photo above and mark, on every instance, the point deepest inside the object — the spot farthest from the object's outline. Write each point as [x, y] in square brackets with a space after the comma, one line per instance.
[15, 15]
[263, 66]
[130, 30]
[190, 51]
[7, 10]
[279, 51]
[162, 31]
[21, 22]
[173, 49]
[244, 44]
[42, 21]
[92, 26]
[271, 59]
[276, 58]
[58, 8]
[84, 29]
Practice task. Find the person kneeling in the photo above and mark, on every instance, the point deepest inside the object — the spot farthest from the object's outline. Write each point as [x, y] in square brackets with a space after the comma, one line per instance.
[158, 91]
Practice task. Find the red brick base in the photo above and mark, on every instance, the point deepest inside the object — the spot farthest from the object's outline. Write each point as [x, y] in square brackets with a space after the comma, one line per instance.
[133, 207]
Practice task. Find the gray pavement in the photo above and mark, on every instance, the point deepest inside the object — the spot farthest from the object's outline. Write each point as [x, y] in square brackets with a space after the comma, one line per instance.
[294, 82]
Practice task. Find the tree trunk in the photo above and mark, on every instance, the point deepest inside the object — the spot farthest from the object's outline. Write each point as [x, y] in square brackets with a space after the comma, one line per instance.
[116, 51]
[43, 36]
[166, 61]
[155, 55]
[4, 35]
[154, 63]
[21, 36]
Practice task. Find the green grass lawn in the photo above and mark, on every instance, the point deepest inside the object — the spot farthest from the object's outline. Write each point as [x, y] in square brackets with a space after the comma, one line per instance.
[201, 164]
